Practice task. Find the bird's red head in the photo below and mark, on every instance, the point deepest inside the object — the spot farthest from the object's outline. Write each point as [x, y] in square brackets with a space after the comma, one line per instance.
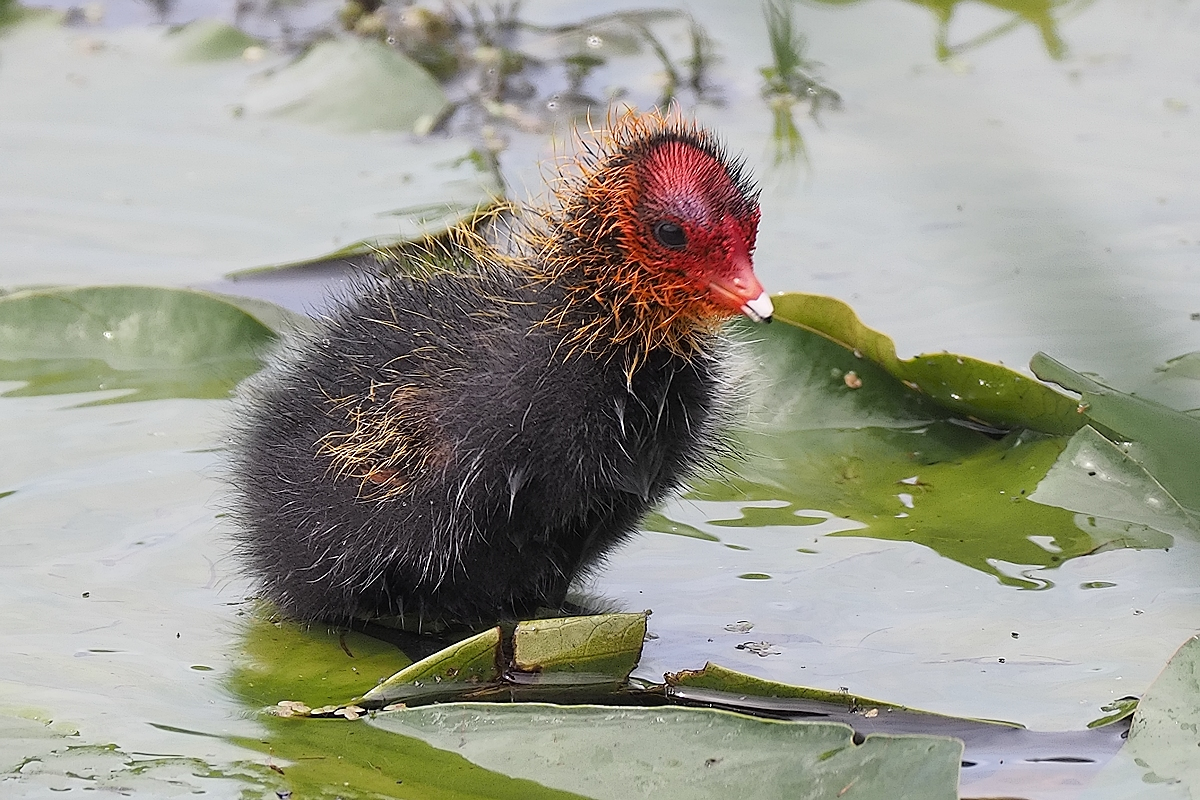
[659, 224]
[696, 217]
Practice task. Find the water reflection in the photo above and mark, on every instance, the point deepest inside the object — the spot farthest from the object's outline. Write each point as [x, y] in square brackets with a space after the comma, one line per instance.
[161, 8]
[1044, 15]
[789, 81]
[898, 467]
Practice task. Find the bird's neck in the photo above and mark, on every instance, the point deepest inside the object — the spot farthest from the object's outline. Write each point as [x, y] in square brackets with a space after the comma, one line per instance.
[610, 305]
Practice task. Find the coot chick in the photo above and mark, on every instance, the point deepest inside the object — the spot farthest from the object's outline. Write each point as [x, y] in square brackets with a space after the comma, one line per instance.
[478, 426]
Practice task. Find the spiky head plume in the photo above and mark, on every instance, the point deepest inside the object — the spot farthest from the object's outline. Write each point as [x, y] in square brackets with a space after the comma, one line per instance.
[652, 226]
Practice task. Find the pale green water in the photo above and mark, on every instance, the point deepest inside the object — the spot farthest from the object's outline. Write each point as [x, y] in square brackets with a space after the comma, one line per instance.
[998, 204]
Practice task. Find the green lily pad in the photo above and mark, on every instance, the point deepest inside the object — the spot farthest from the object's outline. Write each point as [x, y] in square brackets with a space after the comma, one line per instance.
[154, 343]
[1162, 440]
[423, 222]
[617, 753]
[1164, 738]
[737, 686]
[714, 676]
[448, 672]
[1096, 477]
[1117, 710]
[583, 653]
[351, 84]
[968, 386]
[316, 666]
[608, 644]
[210, 40]
[901, 463]
[593, 655]
[353, 761]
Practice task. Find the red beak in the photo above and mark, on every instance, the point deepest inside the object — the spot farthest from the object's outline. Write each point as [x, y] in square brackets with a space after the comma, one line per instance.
[739, 290]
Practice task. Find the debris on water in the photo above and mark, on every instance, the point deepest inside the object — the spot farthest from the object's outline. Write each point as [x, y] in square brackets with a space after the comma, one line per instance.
[760, 649]
[290, 708]
[350, 712]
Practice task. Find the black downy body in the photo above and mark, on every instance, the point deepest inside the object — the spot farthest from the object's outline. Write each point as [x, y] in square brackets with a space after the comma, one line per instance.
[516, 462]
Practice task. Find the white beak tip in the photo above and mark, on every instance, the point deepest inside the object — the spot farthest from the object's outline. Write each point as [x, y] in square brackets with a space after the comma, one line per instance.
[759, 309]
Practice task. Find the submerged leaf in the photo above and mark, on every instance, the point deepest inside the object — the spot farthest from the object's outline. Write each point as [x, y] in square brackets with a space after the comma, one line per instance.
[154, 342]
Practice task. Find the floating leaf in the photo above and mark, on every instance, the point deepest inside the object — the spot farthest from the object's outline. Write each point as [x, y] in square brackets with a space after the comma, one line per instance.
[420, 221]
[210, 40]
[155, 343]
[330, 758]
[1117, 711]
[727, 688]
[1094, 476]
[1165, 441]
[607, 644]
[567, 657]
[714, 676]
[150, 166]
[683, 753]
[1164, 738]
[449, 672]
[900, 464]
[718, 687]
[977, 389]
[313, 665]
[351, 84]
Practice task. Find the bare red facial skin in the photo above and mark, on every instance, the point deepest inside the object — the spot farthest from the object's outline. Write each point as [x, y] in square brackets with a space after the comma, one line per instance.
[686, 186]
[668, 287]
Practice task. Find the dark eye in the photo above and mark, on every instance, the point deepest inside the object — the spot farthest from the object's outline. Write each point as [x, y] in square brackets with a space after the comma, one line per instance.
[670, 235]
